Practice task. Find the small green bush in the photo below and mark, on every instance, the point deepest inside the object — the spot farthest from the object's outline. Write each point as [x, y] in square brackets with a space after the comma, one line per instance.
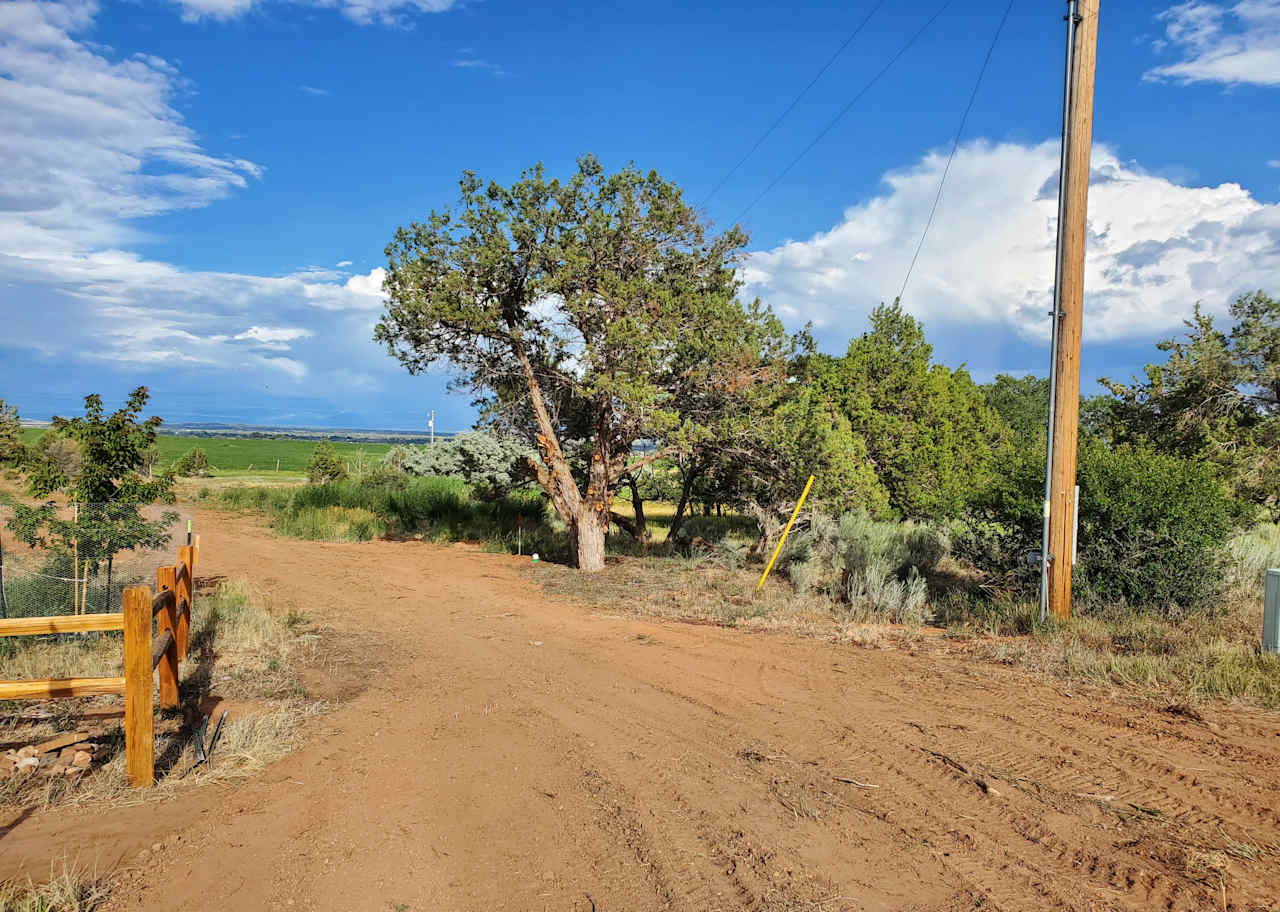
[325, 465]
[1152, 530]
[193, 464]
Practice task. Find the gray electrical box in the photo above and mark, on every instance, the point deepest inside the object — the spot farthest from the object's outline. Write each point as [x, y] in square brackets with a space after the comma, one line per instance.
[1271, 613]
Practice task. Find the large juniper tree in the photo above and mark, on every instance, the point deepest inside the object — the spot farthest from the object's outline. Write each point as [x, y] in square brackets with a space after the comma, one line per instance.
[585, 309]
[1216, 398]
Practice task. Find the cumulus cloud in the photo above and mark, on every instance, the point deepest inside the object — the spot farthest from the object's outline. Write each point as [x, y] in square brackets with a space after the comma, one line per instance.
[1155, 248]
[364, 12]
[1223, 44]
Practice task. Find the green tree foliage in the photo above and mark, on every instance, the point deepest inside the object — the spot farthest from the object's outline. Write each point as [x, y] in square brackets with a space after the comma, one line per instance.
[324, 465]
[111, 450]
[12, 452]
[1022, 403]
[1152, 527]
[927, 429]
[193, 464]
[96, 461]
[815, 436]
[492, 464]
[1216, 398]
[578, 310]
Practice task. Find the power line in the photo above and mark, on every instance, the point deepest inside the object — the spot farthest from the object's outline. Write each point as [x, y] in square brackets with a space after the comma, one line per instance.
[845, 110]
[954, 146]
[795, 101]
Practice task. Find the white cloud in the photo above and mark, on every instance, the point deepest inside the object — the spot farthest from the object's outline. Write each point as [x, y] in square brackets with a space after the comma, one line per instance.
[313, 90]
[195, 10]
[1155, 248]
[473, 63]
[271, 334]
[1217, 43]
[343, 264]
[364, 12]
[294, 369]
[368, 286]
[91, 142]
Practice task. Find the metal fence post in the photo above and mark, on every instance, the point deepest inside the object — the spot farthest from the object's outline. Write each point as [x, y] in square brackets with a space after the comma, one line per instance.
[1271, 613]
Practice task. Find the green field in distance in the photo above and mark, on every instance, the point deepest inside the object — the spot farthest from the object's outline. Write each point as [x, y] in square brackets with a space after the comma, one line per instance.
[242, 455]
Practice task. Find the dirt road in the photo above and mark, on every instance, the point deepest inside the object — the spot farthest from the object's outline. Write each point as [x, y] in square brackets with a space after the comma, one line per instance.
[514, 753]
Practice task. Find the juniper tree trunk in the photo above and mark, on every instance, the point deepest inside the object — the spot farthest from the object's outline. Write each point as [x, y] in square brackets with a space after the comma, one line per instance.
[686, 488]
[588, 537]
[641, 532]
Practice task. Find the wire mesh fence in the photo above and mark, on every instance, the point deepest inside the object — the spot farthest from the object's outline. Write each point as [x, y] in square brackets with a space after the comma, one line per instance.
[60, 559]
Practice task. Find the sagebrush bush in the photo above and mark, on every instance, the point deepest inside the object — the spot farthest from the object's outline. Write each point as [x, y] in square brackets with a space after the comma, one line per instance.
[1254, 552]
[877, 568]
[493, 465]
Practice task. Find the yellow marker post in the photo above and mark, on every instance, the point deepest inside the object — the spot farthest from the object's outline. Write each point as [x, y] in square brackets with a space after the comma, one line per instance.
[785, 532]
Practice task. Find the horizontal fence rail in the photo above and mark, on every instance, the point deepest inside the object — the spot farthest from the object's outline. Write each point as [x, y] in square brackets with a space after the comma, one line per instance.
[71, 623]
[145, 655]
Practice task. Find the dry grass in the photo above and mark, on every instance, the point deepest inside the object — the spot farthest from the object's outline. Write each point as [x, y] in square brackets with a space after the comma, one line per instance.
[1214, 655]
[699, 590]
[72, 889]
[1189, 661]
[688, 589]
[241, 650]
[84, 655]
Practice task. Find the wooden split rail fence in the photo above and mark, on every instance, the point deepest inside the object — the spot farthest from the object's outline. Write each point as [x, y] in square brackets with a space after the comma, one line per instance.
[145, 654]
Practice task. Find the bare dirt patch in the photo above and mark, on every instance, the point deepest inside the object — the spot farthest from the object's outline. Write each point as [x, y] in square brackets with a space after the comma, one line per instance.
[504, 750]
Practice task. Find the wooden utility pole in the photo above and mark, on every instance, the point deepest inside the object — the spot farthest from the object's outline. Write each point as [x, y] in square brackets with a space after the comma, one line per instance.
[1072, 232]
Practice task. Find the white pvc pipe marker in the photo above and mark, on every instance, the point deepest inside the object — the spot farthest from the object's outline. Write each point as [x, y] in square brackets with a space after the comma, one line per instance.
[1271, 613]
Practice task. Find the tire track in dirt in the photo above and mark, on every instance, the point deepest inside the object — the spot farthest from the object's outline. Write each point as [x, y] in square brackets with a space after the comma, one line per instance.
[512, 752]
[1145, 779]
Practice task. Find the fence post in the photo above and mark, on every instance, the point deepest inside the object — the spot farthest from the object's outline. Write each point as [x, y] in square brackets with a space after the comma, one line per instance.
[167, 619]
[184, 590]
[139, 731]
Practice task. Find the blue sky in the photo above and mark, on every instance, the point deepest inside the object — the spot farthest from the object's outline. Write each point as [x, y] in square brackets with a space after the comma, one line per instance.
[196, 194]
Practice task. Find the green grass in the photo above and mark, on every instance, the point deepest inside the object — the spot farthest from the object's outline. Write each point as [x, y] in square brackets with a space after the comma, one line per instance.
[359, 510]
[232, 456]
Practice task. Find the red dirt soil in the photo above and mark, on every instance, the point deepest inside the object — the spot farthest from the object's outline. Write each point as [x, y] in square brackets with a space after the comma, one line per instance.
[510, 752]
